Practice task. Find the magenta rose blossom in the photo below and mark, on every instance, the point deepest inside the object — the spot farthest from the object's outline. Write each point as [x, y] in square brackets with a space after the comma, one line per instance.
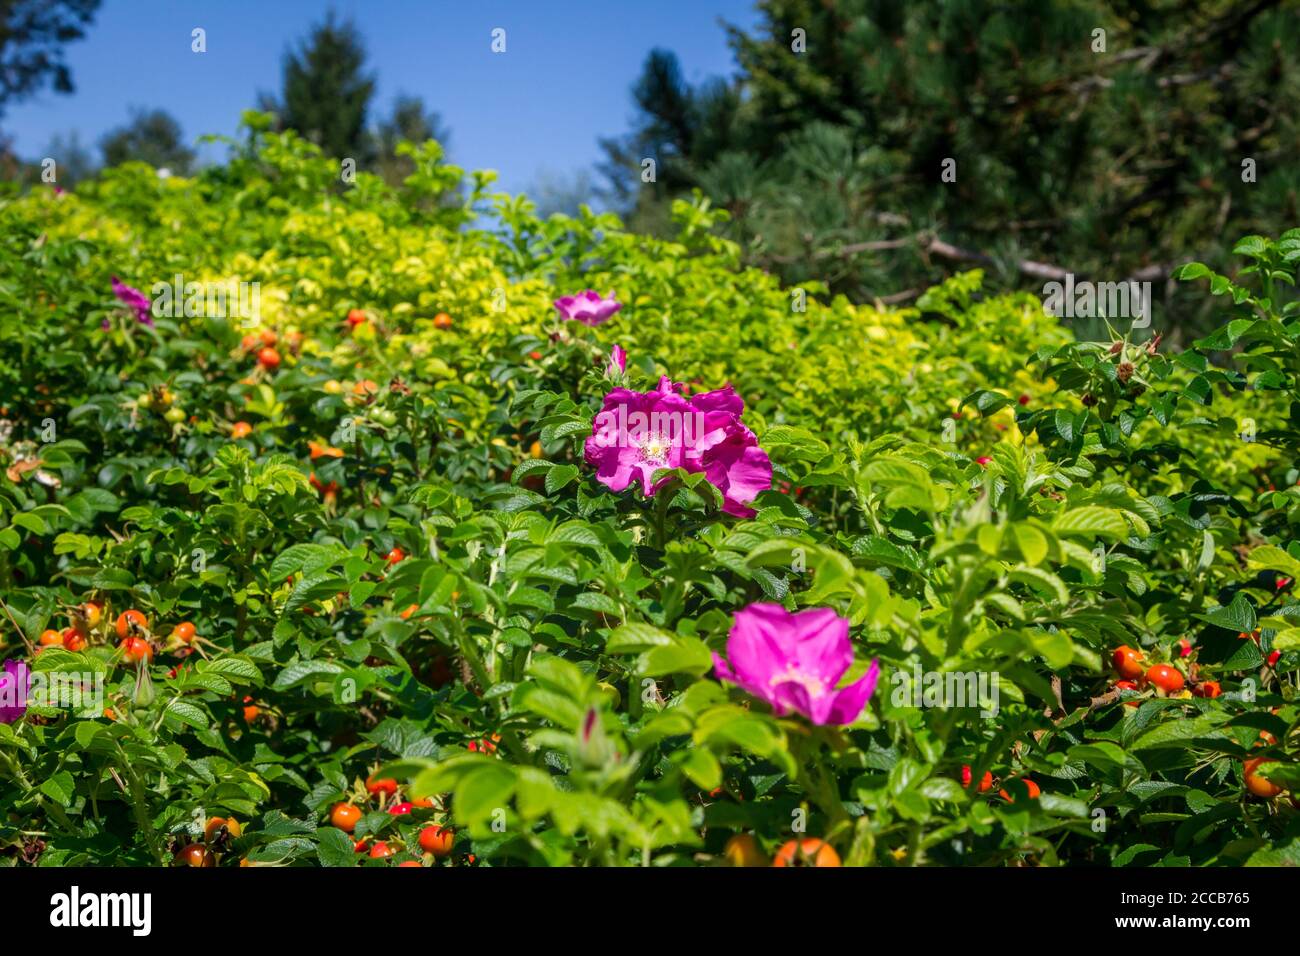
[15, 682]
[133, 299]
[729, 454]
[637, 433]
[617, 362]
[588, 307]
[701, 434]
[794, 661]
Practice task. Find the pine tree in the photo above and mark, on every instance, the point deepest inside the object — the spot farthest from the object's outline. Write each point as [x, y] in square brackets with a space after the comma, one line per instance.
[671, 116]
[1107, 139]
[326, 93]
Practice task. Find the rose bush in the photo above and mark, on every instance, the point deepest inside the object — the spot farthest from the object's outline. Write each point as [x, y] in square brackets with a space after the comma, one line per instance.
[365, 579]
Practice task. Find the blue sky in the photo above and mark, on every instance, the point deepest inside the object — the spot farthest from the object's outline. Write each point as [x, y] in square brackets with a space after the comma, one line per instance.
[538, 108]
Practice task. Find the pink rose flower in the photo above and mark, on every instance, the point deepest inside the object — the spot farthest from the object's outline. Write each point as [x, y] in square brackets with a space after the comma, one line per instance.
[617, 362]
[729, 455]
[134, 299]
[636, 434]
[588, 307]
[646, 431]
[794, 662]
[15, 684]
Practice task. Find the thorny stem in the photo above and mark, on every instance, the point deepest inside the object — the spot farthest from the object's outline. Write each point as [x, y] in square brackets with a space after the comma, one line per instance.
[661, 516]
[15, 770]
[469, 650]
[819, 787]
[139, 803]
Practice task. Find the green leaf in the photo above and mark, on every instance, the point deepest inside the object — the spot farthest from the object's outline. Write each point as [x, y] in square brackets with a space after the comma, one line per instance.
[300, 671]
[1180, 733]
[1274, 559]
[113, 579]
[334, 848]
[1102, 755]
[60, 788]
[1192, 270]
[238, 669]
[595, 601]
[1064, 422]
[688, 655]
[29, 522]
[701, 767]
[576, 533]
[1031, 542]
[1287, 640]
[1238, 616]
[1287, 854]
[484, 791]
[1256, 247]
[187, 713]
[1046, 584]
[883, 551]
[1091, 521]
[559, 476]
[633, 638]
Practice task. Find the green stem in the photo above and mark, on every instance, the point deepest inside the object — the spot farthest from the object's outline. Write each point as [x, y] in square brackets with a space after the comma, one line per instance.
[829, 795]
[139, 802]
[818, 786]
[913, 844]
[635, 706]
[15, 770]
[469, 649]
[661, 517]
[58, 813]
[515, 745]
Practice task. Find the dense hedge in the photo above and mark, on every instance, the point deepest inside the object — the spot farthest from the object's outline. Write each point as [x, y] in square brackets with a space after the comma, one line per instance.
[403, 561]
